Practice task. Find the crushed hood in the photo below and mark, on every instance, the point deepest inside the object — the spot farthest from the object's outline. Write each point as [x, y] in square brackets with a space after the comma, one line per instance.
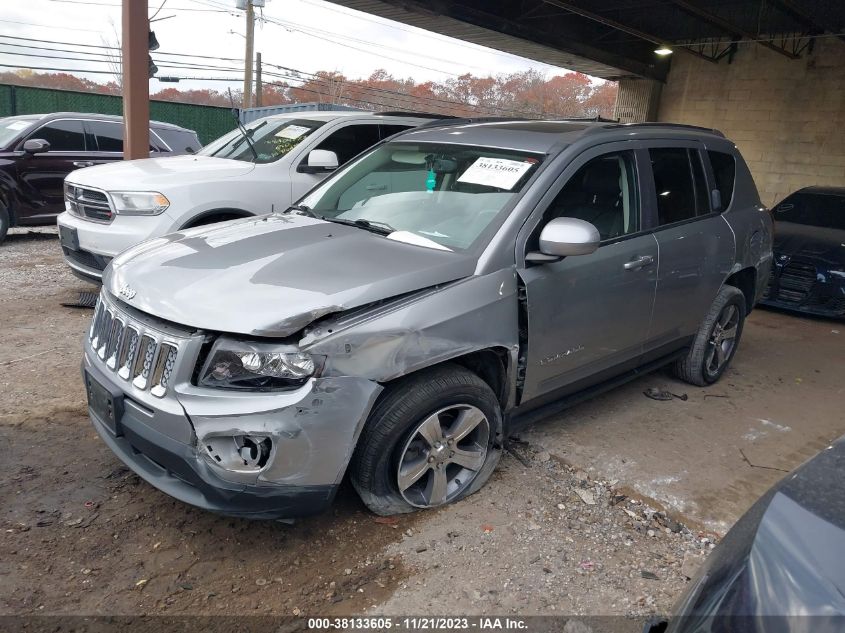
[156, 174]
[272, 276]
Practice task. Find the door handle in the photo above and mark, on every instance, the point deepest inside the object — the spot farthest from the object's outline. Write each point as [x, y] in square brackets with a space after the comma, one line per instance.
[83, 163]
[376, 187]
[639, 262]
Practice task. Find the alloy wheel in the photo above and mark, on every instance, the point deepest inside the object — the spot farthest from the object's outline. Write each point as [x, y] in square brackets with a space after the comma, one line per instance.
[722, 340]
[443, 455]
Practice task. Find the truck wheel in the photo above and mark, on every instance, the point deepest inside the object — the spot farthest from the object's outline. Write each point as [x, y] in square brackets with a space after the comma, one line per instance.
[717, 339]
[4, 222]
[432, 438]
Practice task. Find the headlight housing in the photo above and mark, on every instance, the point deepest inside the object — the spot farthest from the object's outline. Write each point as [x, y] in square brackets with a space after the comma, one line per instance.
[249, 366]
[138, 202]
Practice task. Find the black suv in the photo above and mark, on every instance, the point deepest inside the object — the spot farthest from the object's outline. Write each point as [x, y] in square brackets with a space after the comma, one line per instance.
[37, 151]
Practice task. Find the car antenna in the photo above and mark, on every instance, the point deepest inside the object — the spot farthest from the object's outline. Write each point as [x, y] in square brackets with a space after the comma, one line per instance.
[241, 126]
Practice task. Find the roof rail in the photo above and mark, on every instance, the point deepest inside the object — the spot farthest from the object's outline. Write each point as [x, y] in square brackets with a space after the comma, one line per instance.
[421, 115]
[677, 126]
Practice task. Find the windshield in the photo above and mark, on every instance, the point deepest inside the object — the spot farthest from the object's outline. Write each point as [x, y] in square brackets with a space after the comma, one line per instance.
[812, 209]
[272, 140]
[434, 195]
[10, 127]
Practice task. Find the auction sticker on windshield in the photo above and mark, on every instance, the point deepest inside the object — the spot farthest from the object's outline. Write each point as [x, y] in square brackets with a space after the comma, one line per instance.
[495, 172]
[292, 131]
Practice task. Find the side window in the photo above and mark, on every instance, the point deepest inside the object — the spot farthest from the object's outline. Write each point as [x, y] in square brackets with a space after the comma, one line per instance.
[390, 130]
[603, 192]
[673, 184]
[109, 135]
[351, 140]
[724, 170]
[63, 136]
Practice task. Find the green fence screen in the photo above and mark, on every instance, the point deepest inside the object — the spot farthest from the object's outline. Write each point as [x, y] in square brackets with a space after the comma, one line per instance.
[209, 122]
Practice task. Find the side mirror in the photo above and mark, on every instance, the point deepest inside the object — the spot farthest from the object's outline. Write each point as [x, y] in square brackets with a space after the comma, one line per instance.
[36, 146]
[319, 161]
[563, 237]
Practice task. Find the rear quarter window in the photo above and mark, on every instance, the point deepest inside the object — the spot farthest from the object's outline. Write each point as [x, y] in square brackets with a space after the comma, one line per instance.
[724, 171]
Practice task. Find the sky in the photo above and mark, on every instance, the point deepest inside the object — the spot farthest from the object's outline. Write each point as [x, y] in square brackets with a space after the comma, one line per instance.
[306, 35]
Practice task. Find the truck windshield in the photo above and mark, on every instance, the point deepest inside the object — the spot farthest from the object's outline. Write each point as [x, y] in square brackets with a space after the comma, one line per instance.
[272, 140]
[435, 195]
[822, 210]
[10, 127]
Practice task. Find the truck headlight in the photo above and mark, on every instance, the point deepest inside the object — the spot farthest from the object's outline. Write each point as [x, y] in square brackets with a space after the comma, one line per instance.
[138, 202]
[257, 366]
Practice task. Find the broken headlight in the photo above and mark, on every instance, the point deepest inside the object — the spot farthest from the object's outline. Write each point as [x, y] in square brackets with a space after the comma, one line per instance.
[257, 366]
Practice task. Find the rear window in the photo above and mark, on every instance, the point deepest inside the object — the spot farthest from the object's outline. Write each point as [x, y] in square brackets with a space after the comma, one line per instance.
[813, 209]
[724, 171]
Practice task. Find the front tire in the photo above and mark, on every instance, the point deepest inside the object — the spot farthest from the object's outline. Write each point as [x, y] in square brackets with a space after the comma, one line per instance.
[433, 438]
[716, 341]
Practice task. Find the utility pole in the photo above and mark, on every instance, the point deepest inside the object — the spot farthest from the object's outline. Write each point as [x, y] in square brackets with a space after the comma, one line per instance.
[248, 55]
[136, 79]
[258, 87]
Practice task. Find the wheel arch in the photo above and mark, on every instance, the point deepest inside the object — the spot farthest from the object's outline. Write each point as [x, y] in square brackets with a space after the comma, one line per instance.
[207, 217]
[492, 364]
[746, 281]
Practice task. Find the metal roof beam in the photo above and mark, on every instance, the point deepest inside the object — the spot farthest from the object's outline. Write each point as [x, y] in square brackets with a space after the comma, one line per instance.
[729, 28]
[500, 24]
[568, 6]
[799, 15]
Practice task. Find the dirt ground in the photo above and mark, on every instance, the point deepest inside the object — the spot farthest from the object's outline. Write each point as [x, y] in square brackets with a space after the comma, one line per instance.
[603, 510]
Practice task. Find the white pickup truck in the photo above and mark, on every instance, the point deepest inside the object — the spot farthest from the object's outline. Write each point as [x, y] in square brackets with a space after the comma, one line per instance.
[109, 208]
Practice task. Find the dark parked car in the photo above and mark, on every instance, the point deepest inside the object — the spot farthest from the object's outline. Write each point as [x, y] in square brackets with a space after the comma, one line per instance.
[37, 151]
[809, 252]
[782, 566]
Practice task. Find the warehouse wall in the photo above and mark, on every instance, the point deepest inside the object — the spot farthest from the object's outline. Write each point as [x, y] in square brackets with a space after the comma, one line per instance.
[786, 116]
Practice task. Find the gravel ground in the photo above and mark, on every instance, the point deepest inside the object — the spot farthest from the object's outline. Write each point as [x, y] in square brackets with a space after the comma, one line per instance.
[551, 534]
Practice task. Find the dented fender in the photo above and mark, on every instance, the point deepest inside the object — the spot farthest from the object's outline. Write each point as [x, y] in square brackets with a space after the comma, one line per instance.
[423, 329]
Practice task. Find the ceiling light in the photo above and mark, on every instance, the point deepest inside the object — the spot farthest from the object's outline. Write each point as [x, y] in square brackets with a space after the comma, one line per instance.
[663, 50]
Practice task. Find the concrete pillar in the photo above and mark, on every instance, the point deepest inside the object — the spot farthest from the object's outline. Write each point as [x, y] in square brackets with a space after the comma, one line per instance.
[637, 100]
[136, 80]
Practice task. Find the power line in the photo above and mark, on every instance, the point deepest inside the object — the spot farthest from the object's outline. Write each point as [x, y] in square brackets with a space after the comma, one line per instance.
[47, 26]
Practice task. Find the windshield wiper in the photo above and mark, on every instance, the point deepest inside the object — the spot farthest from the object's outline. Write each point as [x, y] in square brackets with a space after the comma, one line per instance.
[303, 210]
[381, 228]
[241, 127]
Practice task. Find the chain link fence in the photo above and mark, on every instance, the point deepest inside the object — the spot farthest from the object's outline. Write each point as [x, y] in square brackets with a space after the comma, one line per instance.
[209, 122]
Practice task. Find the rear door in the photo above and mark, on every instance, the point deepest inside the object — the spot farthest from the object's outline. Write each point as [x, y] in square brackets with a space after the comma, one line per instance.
[589, 315]
[42, 175]
[696, 244]
[105, 138]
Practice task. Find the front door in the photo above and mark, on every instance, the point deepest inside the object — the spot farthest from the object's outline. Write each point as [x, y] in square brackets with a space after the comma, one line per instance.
[347, 142]
[42, 175]
[589, 315]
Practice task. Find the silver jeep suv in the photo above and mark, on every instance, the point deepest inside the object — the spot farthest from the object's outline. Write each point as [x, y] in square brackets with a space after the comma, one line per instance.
[392, 324]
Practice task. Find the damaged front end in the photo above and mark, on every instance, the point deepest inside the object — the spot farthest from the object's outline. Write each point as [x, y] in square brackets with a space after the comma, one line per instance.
[263, 454]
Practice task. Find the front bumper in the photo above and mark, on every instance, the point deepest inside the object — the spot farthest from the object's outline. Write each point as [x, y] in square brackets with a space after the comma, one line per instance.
[100, 242]
[806, 285]
[312, 430]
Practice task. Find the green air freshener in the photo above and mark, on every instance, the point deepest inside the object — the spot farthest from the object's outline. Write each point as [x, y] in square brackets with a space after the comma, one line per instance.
[430, 181]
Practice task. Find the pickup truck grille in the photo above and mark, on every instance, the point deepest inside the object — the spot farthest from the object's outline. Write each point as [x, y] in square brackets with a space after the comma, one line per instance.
[137, 354]
[87, 203]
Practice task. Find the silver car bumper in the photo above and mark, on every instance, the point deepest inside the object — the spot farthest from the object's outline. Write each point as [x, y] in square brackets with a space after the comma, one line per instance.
[185, 440]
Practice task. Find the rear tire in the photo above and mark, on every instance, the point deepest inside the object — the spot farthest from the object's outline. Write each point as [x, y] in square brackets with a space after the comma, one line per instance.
[5, 221]
[436, 434]
[716, 341]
